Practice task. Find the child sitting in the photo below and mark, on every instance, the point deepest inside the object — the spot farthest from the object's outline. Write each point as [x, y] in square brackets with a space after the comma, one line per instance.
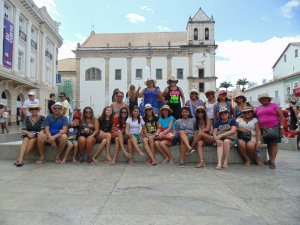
[72, 139]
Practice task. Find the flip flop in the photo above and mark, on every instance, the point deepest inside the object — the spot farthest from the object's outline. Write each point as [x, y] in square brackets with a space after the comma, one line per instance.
[272, 166]
[40, 161]
[267, 162]
[181, 165]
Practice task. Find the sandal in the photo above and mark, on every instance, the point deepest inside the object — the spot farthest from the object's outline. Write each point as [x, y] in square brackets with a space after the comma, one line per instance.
[201, 164]
[181, 165]
[272, 166]
[40, 161]
[18, 164]
[267, 162]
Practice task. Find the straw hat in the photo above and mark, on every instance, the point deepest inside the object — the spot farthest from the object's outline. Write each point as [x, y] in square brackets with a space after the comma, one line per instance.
[172, 78]
[33, 105]
[247, 109]
[56, 104]
[148, 106]
[166, 107]
[209, 91]
[201, 107]
[240, 95]
[194, 90]
[223, 109]
[150, 79]
[264, 95]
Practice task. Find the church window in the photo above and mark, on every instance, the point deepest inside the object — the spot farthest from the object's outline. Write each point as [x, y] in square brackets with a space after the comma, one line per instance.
[195, 34]
[93, 74]
[206, 34]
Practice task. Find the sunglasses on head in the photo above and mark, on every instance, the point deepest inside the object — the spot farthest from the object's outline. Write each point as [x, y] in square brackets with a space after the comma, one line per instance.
[31, 109]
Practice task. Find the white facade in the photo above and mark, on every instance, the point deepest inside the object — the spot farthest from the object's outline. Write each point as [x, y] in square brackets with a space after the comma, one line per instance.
[35, 42]
[288, 62]
[286, 77]
[125, 59]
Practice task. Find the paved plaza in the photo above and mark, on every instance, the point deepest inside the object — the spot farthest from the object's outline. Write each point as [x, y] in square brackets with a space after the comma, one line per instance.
[142, 194]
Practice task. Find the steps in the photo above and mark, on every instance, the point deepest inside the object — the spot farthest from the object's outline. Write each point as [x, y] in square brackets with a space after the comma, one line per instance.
[10, 151]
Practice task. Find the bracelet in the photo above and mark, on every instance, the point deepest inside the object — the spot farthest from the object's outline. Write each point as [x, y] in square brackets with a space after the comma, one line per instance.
[259, 142]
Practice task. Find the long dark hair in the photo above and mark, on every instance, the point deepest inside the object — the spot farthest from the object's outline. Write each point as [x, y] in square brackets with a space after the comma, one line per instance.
[198, 119]
[121, 123]
[102, 118]
[139, 116]
[83, 114]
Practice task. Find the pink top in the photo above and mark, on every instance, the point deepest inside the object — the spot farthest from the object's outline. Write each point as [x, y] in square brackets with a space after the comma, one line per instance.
[267, 116]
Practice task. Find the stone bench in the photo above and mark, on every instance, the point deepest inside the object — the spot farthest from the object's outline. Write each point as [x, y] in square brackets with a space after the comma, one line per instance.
[292, 145]
[10, 151]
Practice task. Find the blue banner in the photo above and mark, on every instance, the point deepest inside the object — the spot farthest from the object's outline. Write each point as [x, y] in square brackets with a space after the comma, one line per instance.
[8, 43]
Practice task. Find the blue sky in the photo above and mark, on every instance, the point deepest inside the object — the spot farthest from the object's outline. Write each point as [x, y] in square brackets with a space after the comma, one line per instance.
[249, 33]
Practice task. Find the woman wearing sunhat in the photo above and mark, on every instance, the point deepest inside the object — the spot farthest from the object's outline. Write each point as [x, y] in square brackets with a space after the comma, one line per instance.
[173, 94]
[249, 136]
[193, 102]
[31, 127]
[222, 101]
[151, 95]
[165, 133]
[241, 104]
[270, 119]
[224, 132]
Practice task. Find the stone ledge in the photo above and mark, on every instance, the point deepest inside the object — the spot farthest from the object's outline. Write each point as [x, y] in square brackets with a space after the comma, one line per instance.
[291, 145]
[10, 152]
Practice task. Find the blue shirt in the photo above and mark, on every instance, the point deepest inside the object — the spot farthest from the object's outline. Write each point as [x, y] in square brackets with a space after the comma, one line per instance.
[165, 122]
[55, 124]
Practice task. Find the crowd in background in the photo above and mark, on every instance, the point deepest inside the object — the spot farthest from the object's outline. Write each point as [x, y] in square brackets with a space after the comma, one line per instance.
[161, 120]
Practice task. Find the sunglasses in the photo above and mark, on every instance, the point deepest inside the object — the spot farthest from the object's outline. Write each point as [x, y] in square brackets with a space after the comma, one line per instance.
[120, 96]
[148, 109]
[200, 111]
[124, 112]
[223, 113]
[61, 96]
[210, 94]
[57, 108]
[31, 109]
[194, 94]
[88, 112]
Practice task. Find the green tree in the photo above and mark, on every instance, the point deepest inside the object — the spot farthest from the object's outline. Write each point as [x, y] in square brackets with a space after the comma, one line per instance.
[226, 85]
[242, 82]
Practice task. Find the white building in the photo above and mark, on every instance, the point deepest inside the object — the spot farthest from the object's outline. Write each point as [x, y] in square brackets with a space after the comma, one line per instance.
[28, 57]
[109, 61]
[286, 77]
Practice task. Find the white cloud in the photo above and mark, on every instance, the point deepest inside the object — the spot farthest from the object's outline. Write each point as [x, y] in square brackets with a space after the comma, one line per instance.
[65, 51]
[162, 28]
[147, 8]
[51, 7]
[288, 8]
[135, 18]
[248, 59]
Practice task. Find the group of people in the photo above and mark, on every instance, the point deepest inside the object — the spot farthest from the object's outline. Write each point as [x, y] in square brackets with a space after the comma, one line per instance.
[162, 119]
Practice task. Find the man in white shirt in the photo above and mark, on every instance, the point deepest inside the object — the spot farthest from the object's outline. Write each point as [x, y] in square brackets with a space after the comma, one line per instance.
[31, 100]
[65, 104]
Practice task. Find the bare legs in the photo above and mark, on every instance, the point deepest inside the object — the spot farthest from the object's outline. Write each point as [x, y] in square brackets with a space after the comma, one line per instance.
[272, 151]
[163, 148]
[26, 148]
[223, 149]
[148, 143]
[133, 143]
[119, 142]
[86, 144]
[248, 151]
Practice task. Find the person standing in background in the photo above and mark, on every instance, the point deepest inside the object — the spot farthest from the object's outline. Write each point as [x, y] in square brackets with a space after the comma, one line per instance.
[51, 101]
[65, 104]
[31, 100]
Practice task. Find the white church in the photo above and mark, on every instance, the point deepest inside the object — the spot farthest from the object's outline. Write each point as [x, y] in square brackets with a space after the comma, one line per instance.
[108, 61]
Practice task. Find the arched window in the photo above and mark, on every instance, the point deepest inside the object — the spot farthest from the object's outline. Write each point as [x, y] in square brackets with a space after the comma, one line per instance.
[93, 74]
[206, 34]
[195, 34]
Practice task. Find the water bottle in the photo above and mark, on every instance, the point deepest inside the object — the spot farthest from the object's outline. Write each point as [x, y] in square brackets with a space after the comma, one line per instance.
[284, 139]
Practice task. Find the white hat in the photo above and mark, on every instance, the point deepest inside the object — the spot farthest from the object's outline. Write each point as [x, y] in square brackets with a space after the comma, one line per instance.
[57, 104]
[31, 93]
[148, 106]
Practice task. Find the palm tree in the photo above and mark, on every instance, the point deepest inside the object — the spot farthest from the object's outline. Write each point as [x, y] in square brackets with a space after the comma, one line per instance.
[226, 85]
[242, 82]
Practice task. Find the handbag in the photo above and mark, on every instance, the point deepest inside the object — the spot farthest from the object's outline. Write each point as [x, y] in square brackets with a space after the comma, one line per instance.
[245, 137]
[168, 136]
[271, 133]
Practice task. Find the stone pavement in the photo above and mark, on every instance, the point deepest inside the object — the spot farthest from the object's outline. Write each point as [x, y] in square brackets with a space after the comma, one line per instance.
[94, 195]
